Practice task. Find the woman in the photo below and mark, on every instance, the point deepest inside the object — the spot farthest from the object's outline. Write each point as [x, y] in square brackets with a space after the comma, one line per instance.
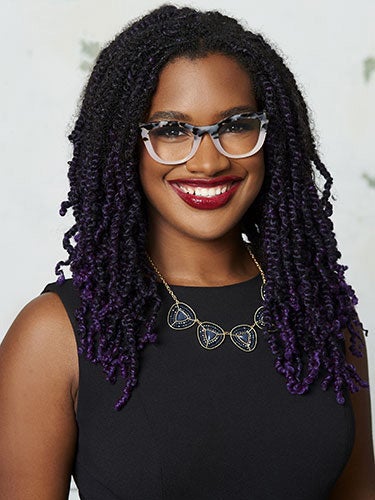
[192, 136]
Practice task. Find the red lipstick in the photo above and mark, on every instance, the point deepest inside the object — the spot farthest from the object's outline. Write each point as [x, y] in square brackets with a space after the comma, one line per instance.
[206, 194]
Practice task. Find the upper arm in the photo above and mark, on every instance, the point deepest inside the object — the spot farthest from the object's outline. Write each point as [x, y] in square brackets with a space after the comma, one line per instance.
[38, 370]
[357, 482]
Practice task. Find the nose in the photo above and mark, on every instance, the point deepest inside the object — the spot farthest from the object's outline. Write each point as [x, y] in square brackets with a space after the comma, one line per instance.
[207, 159]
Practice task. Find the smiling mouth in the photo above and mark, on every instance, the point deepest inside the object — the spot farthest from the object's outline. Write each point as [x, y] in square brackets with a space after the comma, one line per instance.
[206, 194]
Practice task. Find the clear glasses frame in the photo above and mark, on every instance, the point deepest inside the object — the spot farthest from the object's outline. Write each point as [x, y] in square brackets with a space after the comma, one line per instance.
[198, 133]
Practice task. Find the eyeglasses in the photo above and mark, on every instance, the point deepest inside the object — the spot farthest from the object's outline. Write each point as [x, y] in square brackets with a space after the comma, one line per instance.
[173, 142]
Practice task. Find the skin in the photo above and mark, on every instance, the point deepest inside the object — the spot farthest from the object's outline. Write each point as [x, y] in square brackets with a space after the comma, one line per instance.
[38, 387]
[38, 357]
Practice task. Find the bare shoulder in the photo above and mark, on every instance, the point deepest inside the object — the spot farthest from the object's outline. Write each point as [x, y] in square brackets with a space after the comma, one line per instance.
[357, 481]
[42, 335]
[38, 384]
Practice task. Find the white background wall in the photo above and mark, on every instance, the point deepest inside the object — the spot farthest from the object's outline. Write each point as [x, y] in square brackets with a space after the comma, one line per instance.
[45, 51]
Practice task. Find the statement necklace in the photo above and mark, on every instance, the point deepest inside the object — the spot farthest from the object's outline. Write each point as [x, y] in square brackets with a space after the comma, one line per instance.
[210, 335]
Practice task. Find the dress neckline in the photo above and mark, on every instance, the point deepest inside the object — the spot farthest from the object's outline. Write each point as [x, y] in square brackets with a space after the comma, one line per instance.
[239, 284]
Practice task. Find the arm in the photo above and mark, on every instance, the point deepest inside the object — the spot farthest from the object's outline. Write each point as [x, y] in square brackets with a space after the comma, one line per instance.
[38, 381]
[357, 481]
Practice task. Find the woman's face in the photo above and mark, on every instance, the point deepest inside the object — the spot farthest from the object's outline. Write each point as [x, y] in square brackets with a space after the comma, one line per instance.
[201, 92]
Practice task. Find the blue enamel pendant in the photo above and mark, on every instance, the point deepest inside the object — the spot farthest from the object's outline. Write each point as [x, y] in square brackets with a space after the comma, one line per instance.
[259, 317]
[210, 335]
[244, 337]
[181, 316]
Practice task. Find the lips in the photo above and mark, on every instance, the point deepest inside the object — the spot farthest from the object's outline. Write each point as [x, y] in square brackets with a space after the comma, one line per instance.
[206, 194]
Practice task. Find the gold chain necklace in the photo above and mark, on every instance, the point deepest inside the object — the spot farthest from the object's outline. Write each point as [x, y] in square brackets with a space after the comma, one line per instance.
[181, 316]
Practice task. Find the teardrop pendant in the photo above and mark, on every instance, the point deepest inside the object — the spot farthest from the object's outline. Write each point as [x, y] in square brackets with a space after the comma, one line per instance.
[210, 335]
[244, 337]
[181, 316]
[259, 317]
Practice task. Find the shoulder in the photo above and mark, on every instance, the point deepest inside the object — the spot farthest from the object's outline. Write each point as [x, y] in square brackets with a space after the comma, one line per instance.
[43, 318]
[38, 383]
[41, 338]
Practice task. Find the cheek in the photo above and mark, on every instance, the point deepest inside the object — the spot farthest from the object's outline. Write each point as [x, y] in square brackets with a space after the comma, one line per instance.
[151, 175]
[147, 171]
[256, 178]
[255, 168]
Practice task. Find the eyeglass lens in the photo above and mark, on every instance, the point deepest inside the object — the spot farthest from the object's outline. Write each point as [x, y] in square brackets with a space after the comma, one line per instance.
[173, 141]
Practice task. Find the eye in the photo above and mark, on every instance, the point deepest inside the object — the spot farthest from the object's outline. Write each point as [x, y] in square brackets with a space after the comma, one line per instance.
[171, 132]
[241, 126]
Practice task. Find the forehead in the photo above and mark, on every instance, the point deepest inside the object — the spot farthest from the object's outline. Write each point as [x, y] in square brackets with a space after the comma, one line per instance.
[201, 89]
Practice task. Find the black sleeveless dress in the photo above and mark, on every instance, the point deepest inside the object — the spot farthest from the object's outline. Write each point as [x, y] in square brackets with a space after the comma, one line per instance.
[202, 424]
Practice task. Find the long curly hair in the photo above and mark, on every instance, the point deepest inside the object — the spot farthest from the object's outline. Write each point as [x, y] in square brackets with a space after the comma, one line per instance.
[308, 303]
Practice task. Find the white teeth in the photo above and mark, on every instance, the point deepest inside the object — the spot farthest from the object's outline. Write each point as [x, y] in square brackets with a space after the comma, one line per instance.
[186, 189]
[204, 192]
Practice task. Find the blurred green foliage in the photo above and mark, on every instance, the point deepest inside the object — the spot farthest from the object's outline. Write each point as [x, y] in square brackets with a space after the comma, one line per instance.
[368, 67]
[370, 179]
[89, 51]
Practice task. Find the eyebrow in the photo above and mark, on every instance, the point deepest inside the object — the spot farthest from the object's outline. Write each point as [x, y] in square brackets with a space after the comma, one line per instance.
[178, 116]
[237, 110]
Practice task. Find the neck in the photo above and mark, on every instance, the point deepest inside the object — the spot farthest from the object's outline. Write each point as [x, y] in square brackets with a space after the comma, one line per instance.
[185, 261]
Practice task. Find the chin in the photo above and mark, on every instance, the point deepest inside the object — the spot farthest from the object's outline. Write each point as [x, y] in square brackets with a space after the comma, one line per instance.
[208, 232]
